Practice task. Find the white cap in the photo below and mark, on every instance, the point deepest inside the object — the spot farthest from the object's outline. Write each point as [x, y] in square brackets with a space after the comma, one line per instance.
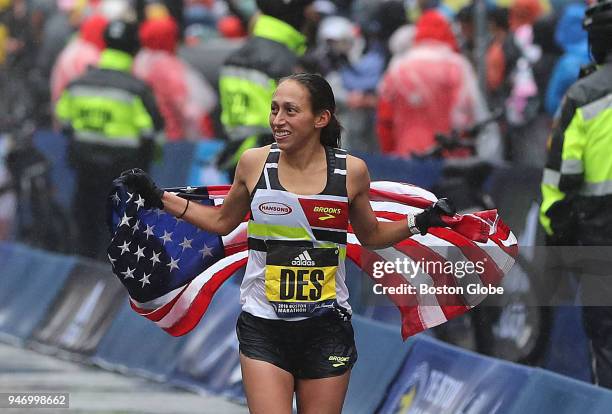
[336, 28]
[325, 7]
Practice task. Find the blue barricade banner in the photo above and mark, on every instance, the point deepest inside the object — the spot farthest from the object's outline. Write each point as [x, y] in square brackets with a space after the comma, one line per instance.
[424, 173]
[135, 344]
[568, 350]
[54, 146]
[173, 169]
[30, 280]
[440, 379]
[83, 310]
[203, 169]
[381, 354]
[550, 393]
[210, 358]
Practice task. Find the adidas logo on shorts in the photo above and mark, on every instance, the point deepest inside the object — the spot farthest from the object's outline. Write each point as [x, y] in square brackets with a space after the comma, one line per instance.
[303, 259]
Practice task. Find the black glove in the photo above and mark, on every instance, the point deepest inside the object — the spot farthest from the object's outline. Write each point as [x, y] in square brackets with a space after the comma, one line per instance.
[139, 181]
[431, 216]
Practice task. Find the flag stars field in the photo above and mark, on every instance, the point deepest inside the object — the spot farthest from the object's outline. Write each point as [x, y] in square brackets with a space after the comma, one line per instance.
[145, 279]
[167, 237]
[139, 203]
[128, 274]
[149, 231]
[155, 258]
[206, 251]
[125, 247]
[125, 220]
[139, 253]
[173, 264]
[186, 244]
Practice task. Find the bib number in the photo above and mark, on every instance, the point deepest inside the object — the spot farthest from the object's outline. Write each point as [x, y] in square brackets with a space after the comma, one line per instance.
[301, 281]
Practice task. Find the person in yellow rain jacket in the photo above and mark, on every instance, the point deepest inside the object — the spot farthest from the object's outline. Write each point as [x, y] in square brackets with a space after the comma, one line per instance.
[577, 187]
[113, 123]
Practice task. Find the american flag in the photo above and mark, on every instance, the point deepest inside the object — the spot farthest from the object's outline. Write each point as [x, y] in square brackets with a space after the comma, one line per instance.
[171, 269]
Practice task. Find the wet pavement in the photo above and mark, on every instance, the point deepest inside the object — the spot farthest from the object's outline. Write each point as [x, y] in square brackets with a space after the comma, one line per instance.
[94, 390]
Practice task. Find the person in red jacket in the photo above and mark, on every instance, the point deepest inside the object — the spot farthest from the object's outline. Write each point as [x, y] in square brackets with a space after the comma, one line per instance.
[81, 52]
[430, 89]
[184, 97]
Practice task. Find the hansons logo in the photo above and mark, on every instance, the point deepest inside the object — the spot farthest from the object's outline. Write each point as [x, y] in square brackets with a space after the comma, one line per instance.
[275, 209]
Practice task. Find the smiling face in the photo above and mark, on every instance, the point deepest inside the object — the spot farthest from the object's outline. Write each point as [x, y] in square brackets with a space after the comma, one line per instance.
[291, 118]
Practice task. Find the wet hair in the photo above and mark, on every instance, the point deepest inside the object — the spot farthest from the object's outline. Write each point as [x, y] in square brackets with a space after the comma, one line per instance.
[321, 99]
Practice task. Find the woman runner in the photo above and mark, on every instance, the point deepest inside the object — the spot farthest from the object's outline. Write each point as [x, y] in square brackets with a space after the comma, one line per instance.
[294, 331]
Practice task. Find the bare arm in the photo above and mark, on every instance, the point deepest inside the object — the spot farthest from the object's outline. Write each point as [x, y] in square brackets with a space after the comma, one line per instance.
[220, 220]
[370, 232]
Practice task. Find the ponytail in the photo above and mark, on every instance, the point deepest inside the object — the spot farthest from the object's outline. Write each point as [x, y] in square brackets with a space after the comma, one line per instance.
[331, 133]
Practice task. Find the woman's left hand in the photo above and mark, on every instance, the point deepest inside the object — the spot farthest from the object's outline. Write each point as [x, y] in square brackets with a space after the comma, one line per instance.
[432, 216]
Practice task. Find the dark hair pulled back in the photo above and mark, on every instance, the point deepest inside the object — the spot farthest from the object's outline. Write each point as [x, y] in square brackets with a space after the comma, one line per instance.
[321, 99]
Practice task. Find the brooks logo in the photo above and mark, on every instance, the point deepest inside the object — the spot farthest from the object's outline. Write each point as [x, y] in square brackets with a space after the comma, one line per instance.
[330, 212]
[303, 259]
[338, 361]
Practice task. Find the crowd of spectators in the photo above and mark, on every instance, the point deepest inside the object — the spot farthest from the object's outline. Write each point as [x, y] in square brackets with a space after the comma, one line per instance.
[402, 71]
[364, 47]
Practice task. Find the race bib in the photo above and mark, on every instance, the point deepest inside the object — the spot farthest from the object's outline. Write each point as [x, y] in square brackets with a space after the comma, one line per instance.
[301, 281]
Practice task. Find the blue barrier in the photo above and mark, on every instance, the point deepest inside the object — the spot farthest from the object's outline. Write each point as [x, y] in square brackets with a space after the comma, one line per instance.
[422, 375]
[438, 378]
[550, 393]
[203, 170]
[568, 350]
[84, 309]
[381, 353]
[135, 344]
[54, 146]
[30, 280]
[173, 169]
[182, 163]
[210, 357]
[424, 173]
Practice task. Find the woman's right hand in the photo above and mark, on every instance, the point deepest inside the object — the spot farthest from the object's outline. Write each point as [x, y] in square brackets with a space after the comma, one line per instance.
[139, 181]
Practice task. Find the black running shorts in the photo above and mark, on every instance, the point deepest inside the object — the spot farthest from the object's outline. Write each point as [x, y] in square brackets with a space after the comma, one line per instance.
[317, 347]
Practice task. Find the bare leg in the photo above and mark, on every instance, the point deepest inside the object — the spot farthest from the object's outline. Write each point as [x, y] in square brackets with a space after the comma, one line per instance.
[268, 388]
[322, 396]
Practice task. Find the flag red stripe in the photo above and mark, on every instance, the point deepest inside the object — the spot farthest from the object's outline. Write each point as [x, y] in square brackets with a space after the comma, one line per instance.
[448, 303]
[414, 201]
[199, 305]
[160, 312]
[406, 304]
[492, 274]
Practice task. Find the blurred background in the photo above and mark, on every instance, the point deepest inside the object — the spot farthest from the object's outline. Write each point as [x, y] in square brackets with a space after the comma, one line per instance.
[455, 96]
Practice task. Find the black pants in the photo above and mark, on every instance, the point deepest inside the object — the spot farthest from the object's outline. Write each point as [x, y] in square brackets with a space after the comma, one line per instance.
[317, 347]
[591, 262]
[89, 211]
[598, 326]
